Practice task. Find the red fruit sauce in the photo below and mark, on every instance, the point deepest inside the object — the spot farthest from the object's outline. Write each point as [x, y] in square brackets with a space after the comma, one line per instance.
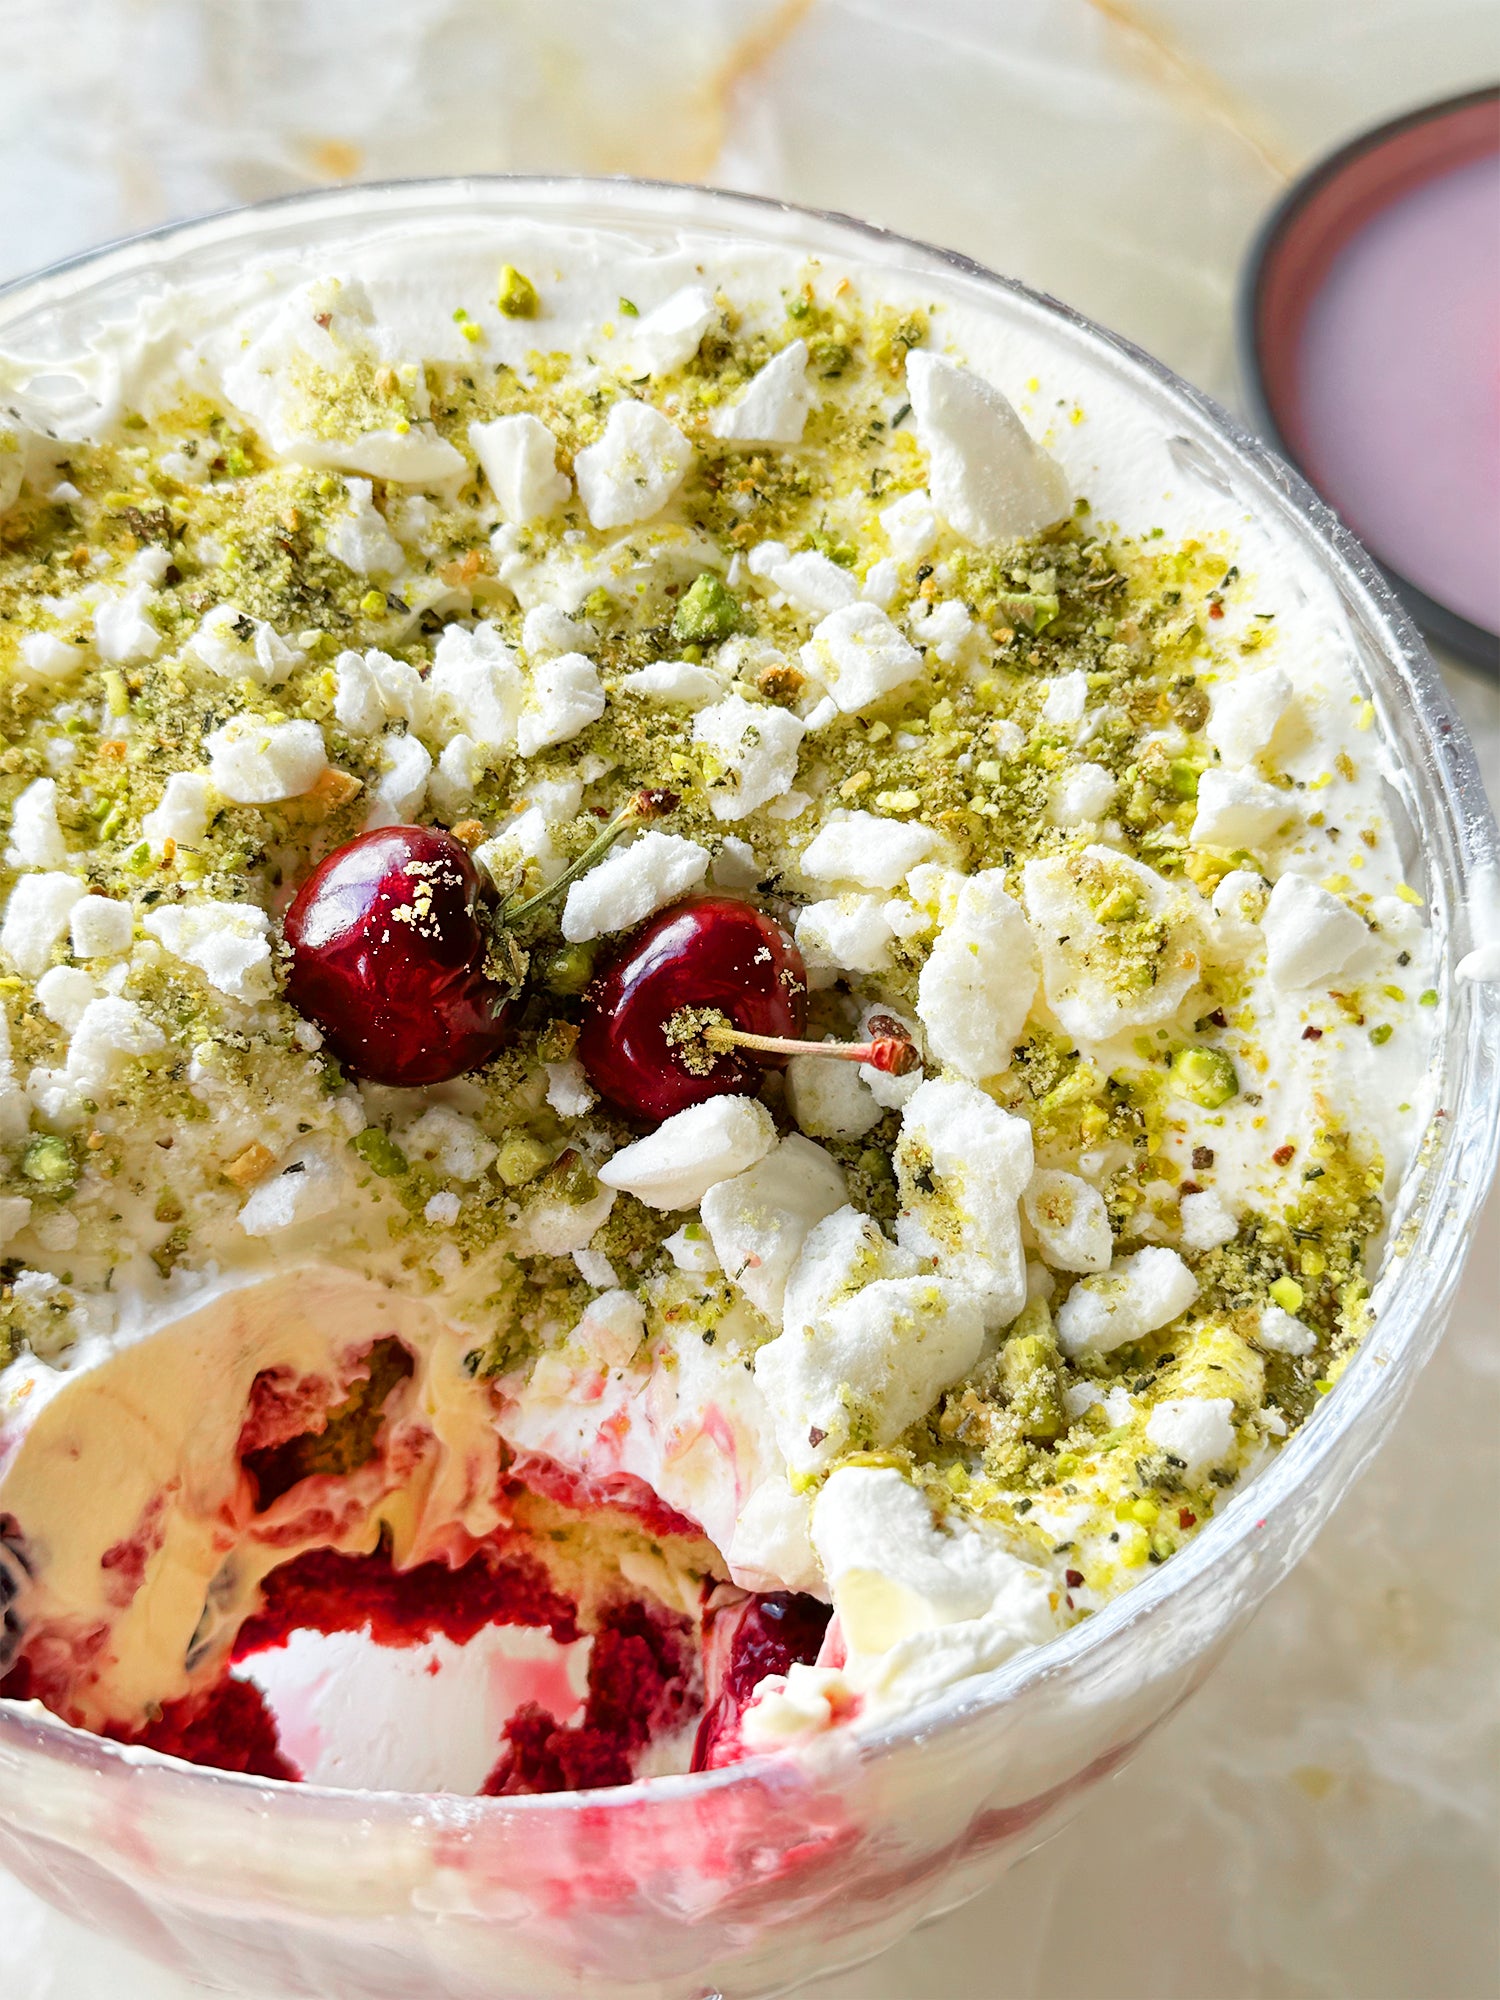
[323, 1591]
[228, 1728]
[743, 1643]
[642, 1676]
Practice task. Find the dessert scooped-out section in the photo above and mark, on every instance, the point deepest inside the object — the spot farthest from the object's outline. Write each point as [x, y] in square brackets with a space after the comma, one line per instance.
[304, 1480]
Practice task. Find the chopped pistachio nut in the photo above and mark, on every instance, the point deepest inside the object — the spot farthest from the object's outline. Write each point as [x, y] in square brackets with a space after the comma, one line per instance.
[380, 1152]
[1206, 1076]
[521, 1159]
[517, 296]
[48, 1162]
[707, 613]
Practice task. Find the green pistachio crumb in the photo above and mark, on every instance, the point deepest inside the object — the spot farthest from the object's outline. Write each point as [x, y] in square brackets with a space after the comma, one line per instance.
[707, 613]
[569, 969]
[48, 1161]
[1029, 1375]
[521, 1159]
[1184, 775]
[1205, 1076]
[380, 1152]
[556, 1041]
[517, 296]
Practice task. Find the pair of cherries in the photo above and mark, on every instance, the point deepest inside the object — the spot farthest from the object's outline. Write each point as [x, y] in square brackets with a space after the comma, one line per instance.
[398, 955]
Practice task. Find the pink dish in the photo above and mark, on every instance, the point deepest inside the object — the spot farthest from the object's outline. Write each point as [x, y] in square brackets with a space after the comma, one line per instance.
[1371, 344]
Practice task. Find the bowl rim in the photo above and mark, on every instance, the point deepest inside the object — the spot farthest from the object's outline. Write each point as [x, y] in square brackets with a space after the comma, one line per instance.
[1449, 1206]
[1475, 645]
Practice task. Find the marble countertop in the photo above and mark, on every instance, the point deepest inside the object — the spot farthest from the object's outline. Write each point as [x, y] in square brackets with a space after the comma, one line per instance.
[1320, 1822]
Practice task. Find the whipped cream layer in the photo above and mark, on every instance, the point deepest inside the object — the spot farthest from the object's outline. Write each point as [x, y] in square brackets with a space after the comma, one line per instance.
[960, 667]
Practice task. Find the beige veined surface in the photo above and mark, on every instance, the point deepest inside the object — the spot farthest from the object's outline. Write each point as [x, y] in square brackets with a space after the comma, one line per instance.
[1336, 1844]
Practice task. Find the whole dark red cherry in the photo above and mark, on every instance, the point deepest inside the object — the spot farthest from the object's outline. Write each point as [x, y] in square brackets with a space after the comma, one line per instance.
[388, 945]
[708, 952]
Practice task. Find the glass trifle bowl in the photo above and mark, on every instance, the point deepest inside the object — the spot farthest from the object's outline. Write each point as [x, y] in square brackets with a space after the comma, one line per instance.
[750, 1879]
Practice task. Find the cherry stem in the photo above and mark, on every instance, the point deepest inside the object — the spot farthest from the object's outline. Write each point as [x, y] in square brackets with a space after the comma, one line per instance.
[645, 805]
[896, 1055]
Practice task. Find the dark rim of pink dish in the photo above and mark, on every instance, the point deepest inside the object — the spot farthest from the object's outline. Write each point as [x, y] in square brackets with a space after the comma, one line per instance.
[1291, 256]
